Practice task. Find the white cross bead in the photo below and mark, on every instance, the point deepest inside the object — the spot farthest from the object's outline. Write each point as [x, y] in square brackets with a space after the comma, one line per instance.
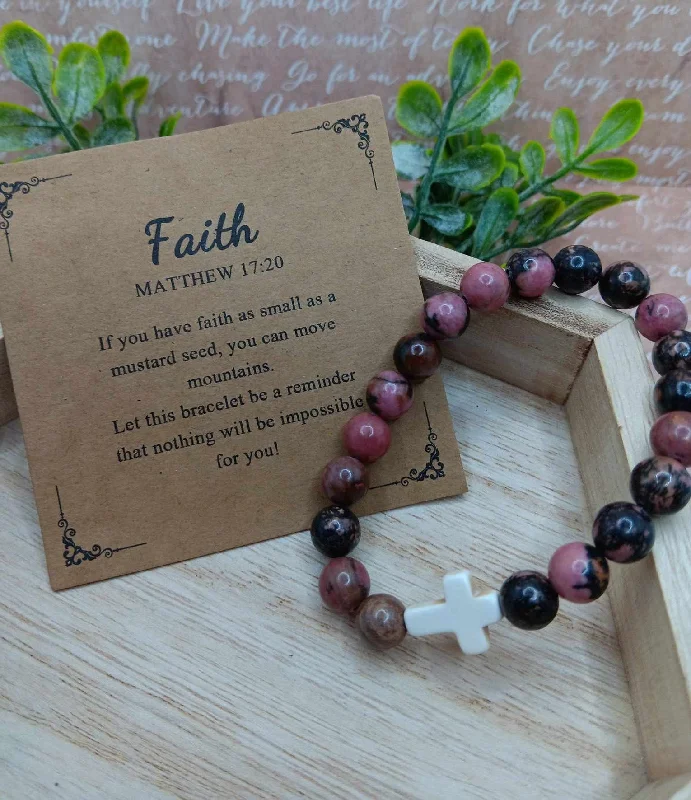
[462, 614]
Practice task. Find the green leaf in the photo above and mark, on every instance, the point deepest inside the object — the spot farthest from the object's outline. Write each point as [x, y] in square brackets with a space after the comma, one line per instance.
[79, 80]
[508, 177]
[512, 156]
[469, 60]
[83, 135]
[620, 124]
[609, 169]
[490, 101]
[408, 204]
[563, 131]
[498, 213]
[114, 131]
[537, 217]
[21, 129]
[115, 54]
[447, 218]
[418, 109]
[588, 205]
[532, 161]
[168, 125]
[27, 55]
[566, 195]
[472, 168]
[136, 89]
[113, 102]
[411, 160]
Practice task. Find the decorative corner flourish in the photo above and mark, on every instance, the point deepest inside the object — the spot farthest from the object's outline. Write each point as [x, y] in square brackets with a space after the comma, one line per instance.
[8, 189]
[358, 124]
[74, 554]
[433, 469]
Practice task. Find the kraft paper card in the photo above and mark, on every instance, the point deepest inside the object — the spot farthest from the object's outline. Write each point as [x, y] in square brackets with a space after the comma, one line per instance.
[190, 321]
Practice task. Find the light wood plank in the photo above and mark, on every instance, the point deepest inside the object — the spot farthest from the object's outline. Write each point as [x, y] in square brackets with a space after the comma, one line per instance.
[678, 788]
[610, 411]
[223, 676]
[538, 345]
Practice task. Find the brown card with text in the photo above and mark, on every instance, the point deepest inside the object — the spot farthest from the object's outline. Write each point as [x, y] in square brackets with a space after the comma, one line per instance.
[190, 321]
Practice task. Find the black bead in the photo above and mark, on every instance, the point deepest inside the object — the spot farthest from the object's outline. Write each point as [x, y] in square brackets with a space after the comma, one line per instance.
[673, 391]
[661, 485]
[335, 531]
[624, 285]
[578, 268]
[528, 600]
[624, 532]
[672, 352]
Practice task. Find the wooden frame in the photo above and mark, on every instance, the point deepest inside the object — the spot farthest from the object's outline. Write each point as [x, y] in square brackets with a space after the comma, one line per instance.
[588, 358]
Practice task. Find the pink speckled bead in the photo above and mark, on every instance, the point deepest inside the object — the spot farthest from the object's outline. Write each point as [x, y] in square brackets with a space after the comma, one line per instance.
[486, 286]
[659, 315]
[366, 437]
[579, 572]
[344, 584]
[445, 315]
[671, 436]
[531, 271]
[390, 394]
[345, 480]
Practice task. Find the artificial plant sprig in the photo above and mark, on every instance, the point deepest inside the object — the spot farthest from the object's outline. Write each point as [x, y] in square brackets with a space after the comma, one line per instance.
[472, 187]
[85, 79]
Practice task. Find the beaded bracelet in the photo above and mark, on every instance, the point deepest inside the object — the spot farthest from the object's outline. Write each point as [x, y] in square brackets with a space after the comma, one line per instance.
[623, 532]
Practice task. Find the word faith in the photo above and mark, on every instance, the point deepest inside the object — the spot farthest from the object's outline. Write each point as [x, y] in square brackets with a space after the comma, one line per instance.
[187, 245]
[463, 614]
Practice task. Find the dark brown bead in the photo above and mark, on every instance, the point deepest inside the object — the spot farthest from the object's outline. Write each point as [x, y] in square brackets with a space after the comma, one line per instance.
[528, 600]
[343, 585]
[660, 485]
[673, 391]
[624, 285]
[381, 621]
[577, 268]
[624, 532]
[335, 531]
[417, 356]
[672, 352]
[345, 480]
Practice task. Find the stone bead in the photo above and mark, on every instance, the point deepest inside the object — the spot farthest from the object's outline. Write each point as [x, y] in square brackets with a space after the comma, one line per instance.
[417, 356]
[673, 391]
[530, 271]
[577, 268]
[345, 480]
[445, 315]
[528, 600]
[366, 437]
[335, 531]
[624, 285]
[623, 532]
[390, 395]
[659, 315]
[672, 352]
[381, 622]
[671, 436]
[486, 286]
[579, 572]
[344, 584]
[661, 485]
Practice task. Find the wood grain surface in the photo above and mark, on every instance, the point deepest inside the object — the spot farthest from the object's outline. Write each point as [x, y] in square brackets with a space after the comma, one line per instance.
[224, 678]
